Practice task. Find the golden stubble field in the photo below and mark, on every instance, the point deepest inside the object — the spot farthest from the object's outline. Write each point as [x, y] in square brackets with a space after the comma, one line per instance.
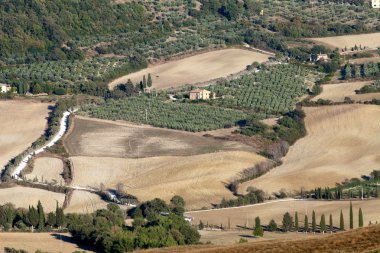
[47, 169]
[197, 68]
[370, 40]
[342, 143]
[25, 197]
[338, 91]
[85, 202]
[21, 123]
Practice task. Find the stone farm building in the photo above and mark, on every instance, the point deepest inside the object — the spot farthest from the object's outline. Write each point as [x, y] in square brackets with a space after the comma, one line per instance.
[4, 88]
[199, 94]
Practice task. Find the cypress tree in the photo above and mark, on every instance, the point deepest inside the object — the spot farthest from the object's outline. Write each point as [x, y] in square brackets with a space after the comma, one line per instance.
[322, 224]
[59, 216]
[341, 225]
[306, 224]
[258, 230]
[41, 216]
[144, 82]
[296, 221]
[33, 217]
[351, 217]
[331, 223]
[313, 222]
[149, 82]
[360, 218]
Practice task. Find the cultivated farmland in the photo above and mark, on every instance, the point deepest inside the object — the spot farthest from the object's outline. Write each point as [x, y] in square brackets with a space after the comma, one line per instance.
[25, 197]
[276, 209]
[94, 137]
[198, 68]
[342, 143]
[85, 202]
[21, 123]
[47, 169]
[47, 242]
[337, 92]
[199, 179]
[370, 40]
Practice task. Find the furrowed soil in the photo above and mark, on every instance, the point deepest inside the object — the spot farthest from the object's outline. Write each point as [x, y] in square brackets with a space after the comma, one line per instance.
[85, 202]
[342, 142]
[194, 69]
[21, 123]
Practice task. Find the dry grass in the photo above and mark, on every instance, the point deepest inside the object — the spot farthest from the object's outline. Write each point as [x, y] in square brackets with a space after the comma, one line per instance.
[371, 40]
[21, 123]
[337, 92]
[342, 142]
[47, 169]
[47, 242]
[91, 137]
[194, 69]
[359, 240]
[25, 197]
[85, 202]
[200, 179]
[276, 209]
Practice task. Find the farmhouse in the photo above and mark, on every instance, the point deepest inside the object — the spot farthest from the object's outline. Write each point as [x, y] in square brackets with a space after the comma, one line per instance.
[322, 57]
[199, 94]
[4, 88]
[375, 3]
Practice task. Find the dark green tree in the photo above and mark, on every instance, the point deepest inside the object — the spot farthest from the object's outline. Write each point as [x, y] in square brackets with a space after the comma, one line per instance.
[60, 217]
[313, 222]
[287, 222]
[296, 226]
[341, 221]
[306, 224]
[351, 216]
[177, 204]
[258, 230]
[272, 226]
[144, 82]
[331, 223]
[149, 82]
[322, 224]
[360, 218]
[41, 216]
[33, 217]
[51, 219]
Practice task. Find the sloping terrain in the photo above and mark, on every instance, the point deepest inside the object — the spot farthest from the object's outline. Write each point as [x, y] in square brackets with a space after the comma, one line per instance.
[244, 215]
[370, 40]
[337, 92]
[358, 240]
[85, 202]
[47, 169]
[194, 69]
[25, 197]
[21, 123]
[199, 179]
[342, 143]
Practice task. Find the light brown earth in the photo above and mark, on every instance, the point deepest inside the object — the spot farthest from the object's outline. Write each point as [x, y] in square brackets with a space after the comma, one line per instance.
[342, 143]
[92, 137]
[47, 169]
[197, 68]
[354, 241]
[21, 123]
[364, 60]
[276, 209]
[371, 40]
[199, 179]
[25, 197]
[85, 202]
[47, 242]
[337, 92]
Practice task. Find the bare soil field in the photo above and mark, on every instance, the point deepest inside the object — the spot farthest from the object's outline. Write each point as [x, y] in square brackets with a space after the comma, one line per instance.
[241, 216]
[25, 197]
[359, 240]
[200, 179]
[197, 68]
[92, 137]
[47, 242]
[47, 169]
[337, 92]
[85, 202]
[364, 60]
[342, 143]
[370, 40]
[21, 123]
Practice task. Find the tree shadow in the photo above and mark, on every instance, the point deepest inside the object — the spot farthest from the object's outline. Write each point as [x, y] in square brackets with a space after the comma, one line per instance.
[71, 240]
